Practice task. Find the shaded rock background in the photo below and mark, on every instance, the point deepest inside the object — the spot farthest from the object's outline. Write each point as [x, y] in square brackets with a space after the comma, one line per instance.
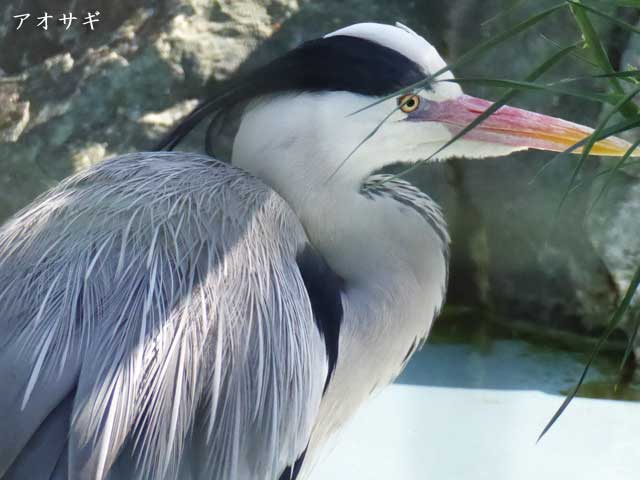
[71, 98]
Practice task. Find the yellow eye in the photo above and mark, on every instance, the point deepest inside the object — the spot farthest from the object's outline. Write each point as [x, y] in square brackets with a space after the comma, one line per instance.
[409, 103]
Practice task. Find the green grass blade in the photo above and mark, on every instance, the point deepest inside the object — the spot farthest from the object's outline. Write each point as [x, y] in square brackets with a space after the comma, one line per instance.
[624, 75]
[620, 127]
[613, 323]
[506, 97]
[501, 14]
[629, 349]
[575, 55]
[592, 139]
[475, 52]
[592, 39]
[603, 172]
[609, 179]
[487, 45]
[362, 142]
[597, 49]
[545, 66]
[610, 98]
[611, 18]
[628, 3]
[608, 132]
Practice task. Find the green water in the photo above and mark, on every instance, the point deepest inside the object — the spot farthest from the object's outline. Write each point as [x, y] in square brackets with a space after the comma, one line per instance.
[468, 350]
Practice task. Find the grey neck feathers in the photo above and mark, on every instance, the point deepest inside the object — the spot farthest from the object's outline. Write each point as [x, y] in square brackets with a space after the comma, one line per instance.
[401, 191]
[381, 233]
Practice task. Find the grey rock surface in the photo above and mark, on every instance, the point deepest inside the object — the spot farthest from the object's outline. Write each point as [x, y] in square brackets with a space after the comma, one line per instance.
[614, 225]
[524, 260]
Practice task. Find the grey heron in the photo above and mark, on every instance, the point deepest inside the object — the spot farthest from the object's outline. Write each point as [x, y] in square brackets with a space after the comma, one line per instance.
[166, 315]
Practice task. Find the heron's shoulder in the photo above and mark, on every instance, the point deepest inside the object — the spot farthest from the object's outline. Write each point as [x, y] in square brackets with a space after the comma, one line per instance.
[170, 183]
[191, 172]
[193, 197]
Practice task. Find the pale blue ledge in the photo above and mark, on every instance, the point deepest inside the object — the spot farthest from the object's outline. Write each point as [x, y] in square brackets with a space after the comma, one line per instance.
[441, 433]
[463, 412]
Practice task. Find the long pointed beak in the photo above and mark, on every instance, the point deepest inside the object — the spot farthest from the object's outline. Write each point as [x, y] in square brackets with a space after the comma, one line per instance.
[519, 128]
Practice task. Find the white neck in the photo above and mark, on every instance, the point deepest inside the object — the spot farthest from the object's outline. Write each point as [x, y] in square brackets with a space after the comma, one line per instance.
[363, 239]
[389, 256]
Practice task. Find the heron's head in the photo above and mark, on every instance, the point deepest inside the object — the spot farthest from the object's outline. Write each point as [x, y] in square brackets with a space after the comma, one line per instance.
[329, 106]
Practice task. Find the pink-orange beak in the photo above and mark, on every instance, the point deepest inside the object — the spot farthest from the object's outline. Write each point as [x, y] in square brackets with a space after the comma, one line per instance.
[517, 127]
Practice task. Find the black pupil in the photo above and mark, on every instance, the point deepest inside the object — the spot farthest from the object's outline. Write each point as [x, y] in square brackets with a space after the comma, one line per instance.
[410, 103]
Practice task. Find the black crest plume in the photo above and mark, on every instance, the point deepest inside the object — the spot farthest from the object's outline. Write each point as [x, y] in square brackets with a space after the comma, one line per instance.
[337, 63]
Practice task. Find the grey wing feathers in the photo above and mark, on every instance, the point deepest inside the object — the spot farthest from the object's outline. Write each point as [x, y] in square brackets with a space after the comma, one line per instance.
[152, 313]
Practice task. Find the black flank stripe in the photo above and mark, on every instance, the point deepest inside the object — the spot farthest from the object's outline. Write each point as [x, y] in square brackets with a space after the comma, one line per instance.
[291, 473]
[324, 288]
